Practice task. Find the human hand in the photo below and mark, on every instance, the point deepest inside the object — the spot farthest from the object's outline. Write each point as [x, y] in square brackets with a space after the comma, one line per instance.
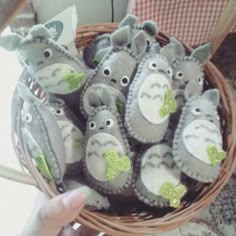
[53, 216]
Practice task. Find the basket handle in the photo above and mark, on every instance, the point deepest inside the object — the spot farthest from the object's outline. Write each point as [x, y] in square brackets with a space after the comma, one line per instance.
[17, 176]
[225, 23]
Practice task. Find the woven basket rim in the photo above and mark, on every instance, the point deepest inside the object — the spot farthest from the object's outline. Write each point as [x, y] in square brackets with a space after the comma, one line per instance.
[133, 224]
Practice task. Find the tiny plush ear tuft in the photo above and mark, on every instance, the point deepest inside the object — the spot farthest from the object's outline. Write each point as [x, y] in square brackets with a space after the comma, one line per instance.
[202, 53]
[213, 95]
[179, 48]
[168, 51]
[121, 36]
[150, 27]
[139, 44]
[40, 31]
[10, 42]
[155, 48]
[129, 20]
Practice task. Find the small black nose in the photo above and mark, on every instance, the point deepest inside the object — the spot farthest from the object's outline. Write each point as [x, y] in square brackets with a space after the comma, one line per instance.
[101, 128]
[113, 80]
[162, 71]
[39, 63]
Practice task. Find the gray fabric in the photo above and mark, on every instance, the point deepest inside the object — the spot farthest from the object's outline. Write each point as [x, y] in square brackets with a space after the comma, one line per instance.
[189, 164]
[42, 134]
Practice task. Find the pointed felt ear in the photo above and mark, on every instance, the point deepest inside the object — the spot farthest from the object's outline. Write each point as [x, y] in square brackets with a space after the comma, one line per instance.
[10, 42]
[213, 95]
[150, 27]
[129, 20]
[26, 95]
[192, 89]
[139, 44]
[202, 53]
[101, 54]
[121, 36]
[168, 51]
[179, 48]
[40, 31]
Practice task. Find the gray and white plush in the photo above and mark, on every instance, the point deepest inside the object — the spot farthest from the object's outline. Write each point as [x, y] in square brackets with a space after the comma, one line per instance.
[72, 132]
[54, 68]
[145, 100]
[97, 49]
[199, 127]
[104, 133]
[153, 168]
[41, 134]
[116, 70]
[95, 200]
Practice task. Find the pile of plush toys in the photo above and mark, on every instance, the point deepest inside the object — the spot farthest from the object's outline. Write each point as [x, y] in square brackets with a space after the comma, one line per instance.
[128, 116]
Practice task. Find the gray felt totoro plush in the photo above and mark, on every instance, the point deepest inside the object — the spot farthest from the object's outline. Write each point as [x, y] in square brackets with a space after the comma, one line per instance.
[116, 70]
[72, 132]
[197, 144]
[42, 137]
[150, 99]
[54, 68]
[107, 164]
[155, 168]
[98, 48]
[95, 200]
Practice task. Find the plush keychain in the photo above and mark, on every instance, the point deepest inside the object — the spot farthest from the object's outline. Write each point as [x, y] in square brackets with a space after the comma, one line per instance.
[116, 70]
[54, 68]
[95, 52]
[156, 179]
[72, 132]
[42, 137]
[197, 145]
[107, 164]
[95, 201]
[150, 99]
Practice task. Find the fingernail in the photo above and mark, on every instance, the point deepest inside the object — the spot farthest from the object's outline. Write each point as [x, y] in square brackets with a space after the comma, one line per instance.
[76, 198]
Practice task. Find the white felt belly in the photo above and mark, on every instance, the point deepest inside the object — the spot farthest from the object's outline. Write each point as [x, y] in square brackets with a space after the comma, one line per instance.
[98, 88]
[151, 97]
[51, 77]
[198, 135]
[73, 141]
[97, 145]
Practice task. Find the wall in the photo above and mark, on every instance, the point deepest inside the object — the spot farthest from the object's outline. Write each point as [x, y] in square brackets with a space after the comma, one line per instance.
[89, 11]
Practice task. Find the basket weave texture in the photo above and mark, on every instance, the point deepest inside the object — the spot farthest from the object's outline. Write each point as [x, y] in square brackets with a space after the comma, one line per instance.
[140, 220]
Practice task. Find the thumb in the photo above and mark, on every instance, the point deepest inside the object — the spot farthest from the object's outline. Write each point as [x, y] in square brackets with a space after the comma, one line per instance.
[58, 212]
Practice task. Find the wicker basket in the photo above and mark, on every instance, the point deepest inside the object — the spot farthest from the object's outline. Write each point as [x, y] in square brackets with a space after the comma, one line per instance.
[138, 220]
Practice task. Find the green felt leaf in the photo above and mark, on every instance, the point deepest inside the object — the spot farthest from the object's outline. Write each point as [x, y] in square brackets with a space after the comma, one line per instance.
[120, 106]
[115, 164]
[96, 61]
[173, 193]
[215, 156]
[73, 80]
[42, 166]
[77, 144]
[170, 105]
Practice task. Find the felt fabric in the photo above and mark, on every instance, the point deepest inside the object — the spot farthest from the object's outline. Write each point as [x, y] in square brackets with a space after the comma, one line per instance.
[154, 168]
[41, 132]
[47, 61]
[146, 97]
[200, 120]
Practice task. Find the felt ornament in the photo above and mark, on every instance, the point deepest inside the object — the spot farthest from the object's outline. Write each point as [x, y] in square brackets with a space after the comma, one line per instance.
[95, 200]
[157, 179]
[50, 64]
[97, 49]
[116, 70]
[107, 164]
[42, 137]
[72, 133]
[197, 144]
[150, 99]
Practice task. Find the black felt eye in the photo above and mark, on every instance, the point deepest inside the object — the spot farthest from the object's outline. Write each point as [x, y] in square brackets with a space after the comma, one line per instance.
[107, 71]
[58, 112]
[169, 71]
[179, 75]
[92, 125]
[47, 53]
[148, 42]
[28, 118]
[152, 65]
[200, 81]
[124, 81]
[196, 111]
[109, 123]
